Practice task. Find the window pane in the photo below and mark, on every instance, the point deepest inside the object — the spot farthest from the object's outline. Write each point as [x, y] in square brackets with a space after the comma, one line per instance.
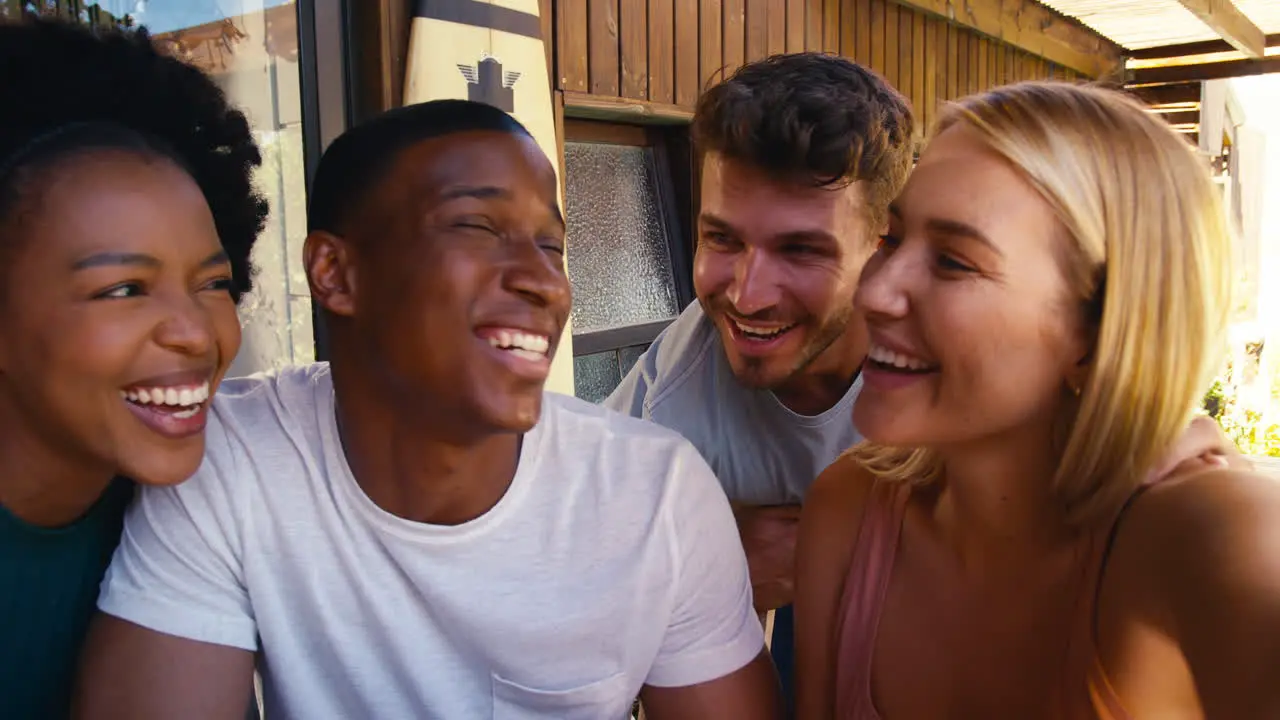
[596, 375]
[628, 356]
[619, 262]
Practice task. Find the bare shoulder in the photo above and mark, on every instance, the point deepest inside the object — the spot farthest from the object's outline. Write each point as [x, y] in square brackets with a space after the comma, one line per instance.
[1209, 521]
[837, 498]
[829, 525]
[1195, 570]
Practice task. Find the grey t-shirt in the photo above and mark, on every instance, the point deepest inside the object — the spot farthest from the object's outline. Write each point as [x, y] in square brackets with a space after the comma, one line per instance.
[762, 453]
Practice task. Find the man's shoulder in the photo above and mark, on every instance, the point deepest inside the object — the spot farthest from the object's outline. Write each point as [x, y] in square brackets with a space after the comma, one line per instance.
[584, 423]
[614, 448]
[264, 396]
[687, 346]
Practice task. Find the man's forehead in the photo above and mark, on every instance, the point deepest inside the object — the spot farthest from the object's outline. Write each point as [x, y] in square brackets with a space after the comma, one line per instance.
[726, 178]
[438, 166]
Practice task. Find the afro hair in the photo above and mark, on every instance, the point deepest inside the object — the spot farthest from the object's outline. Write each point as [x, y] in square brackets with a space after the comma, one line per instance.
[70, 87]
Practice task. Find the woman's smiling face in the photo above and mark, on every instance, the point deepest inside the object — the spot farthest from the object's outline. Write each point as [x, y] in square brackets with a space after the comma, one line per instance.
[116, 319]
[973, 331]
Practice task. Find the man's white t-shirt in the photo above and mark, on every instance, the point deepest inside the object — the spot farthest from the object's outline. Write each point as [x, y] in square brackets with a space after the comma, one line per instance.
[611, 562]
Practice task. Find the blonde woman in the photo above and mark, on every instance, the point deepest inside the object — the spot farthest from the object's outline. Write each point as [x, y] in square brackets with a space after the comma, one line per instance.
[1044, 313]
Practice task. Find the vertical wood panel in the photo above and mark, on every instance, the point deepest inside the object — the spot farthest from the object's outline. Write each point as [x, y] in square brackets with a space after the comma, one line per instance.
[953, 63]
[849, 31]
[918, 43]
[993, 49]
[735, 15]
[832, 24]
[984, 79]
[877, 35]
[662, 32]
[776, 27]
[571, 44]
[633, 29]
[710, 42]
[757, 29]
[861, 22]
[962, 63]
[932, 70]
[975, 62]
[686, 51]
[906, 72]
[797, 28]
[602, 43]
[814, 27]
[892, 72]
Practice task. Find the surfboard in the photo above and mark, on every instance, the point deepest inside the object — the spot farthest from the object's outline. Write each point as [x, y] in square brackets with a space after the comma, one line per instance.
[490, 51]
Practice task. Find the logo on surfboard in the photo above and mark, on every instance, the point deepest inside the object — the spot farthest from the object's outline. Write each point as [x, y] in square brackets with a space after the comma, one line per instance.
[488, 83]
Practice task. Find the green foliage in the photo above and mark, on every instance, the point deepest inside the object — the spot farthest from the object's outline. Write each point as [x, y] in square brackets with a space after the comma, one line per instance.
[1243, 426]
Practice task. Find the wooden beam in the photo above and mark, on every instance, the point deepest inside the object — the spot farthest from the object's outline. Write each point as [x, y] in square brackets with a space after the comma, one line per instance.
[1181, 117]
[1208, 47]
[1030, 26]
[1224, 18]
[1207, 71]
[597, 107]
[1168, 94]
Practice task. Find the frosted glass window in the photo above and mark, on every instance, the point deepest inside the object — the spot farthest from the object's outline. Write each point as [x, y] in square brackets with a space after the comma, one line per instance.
[619, 261]
[596, 375]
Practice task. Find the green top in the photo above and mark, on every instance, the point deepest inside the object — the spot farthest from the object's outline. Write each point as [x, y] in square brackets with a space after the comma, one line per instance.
[49, 581]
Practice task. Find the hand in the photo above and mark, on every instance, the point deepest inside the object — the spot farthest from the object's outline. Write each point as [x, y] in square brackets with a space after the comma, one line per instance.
[1202, 446]
[769, 538]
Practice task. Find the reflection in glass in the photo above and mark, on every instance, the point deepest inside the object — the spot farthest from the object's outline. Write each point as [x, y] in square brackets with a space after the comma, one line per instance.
[619, 262]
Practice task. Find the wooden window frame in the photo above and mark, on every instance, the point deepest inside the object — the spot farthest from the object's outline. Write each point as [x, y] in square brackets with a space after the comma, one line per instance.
[673, 168]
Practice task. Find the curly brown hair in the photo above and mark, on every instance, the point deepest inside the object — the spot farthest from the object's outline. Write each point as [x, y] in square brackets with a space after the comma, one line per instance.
[812, 118]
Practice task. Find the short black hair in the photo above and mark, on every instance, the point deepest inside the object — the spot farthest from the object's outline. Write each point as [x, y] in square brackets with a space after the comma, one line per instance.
[811, 118]
[124, 94]
[354, 163]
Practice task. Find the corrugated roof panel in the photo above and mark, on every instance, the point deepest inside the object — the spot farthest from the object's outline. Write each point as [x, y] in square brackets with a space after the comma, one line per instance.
[1137, 24]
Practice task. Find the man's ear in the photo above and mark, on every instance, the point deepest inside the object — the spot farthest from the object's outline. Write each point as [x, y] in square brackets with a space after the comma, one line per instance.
[331, 272]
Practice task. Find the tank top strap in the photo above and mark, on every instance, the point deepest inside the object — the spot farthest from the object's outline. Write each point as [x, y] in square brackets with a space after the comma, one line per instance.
[1105, 704]
[865, 588]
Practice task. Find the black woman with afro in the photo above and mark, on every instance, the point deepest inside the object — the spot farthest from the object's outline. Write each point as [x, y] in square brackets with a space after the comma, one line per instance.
[127, 214]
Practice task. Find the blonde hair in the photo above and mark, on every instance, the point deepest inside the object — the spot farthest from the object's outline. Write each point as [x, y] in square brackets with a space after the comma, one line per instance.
[1146, 253]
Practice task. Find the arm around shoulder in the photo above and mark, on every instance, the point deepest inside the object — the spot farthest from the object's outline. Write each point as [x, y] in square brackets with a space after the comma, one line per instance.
[1219, 569]
[829, 524]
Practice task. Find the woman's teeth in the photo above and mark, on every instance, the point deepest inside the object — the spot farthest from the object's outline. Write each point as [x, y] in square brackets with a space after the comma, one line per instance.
[885, 356]
[188, 397]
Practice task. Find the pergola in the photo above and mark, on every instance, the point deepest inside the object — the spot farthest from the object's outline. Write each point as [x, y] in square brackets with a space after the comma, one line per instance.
[1172, 46]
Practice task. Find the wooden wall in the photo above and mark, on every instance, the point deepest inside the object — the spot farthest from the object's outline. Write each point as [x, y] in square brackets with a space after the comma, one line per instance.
[621, 55]
[657, 55]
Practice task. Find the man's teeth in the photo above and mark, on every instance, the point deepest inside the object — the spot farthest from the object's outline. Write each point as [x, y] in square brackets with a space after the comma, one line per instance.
[764, 332]
[521, 344]
[189, 396]
[885, 356]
